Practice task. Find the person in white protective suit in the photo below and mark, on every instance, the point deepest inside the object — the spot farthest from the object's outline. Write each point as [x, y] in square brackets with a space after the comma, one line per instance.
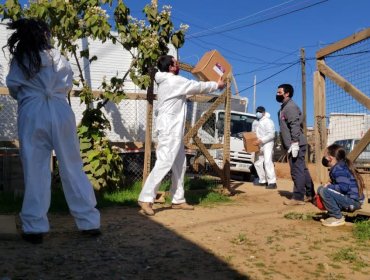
[170, 125]
[39, 78]
[265, 131]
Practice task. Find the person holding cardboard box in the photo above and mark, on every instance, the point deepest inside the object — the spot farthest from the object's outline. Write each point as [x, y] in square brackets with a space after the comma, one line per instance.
[295, 142]
[170, 125]
[265, 131]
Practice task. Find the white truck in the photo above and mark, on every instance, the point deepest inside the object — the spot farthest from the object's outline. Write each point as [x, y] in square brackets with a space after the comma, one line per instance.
[212, 132]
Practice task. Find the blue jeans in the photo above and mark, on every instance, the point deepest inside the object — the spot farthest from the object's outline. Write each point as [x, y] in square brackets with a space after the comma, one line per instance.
[336, 202]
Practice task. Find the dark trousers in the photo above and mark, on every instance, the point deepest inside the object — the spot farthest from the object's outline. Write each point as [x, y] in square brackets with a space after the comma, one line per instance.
[301, 177]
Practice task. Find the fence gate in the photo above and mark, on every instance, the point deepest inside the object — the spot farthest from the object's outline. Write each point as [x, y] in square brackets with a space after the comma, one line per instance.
[341, 99]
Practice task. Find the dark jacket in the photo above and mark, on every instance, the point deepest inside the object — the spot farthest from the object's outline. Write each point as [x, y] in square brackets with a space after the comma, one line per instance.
[291, 124]
[343, 181]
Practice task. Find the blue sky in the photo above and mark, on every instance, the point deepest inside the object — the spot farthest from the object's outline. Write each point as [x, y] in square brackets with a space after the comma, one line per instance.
[259, 40]
[263, 38]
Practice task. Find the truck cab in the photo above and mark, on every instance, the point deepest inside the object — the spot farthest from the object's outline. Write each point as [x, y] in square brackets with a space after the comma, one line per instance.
[212, 132]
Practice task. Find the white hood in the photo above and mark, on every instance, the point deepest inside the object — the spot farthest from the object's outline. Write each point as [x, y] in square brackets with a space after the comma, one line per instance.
[160, 77]
[50, 57]
[267, 115]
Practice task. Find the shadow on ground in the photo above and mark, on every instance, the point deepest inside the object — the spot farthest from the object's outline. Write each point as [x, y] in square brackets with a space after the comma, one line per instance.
[286, 194]
[132, 246]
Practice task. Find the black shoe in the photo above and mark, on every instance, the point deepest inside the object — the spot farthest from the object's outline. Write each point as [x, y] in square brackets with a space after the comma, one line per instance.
[271, 186]
[34, 238]
[91, 232]
[258, 184]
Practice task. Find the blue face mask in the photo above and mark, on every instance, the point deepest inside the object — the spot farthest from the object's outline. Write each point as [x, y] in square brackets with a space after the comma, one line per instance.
[259, 115]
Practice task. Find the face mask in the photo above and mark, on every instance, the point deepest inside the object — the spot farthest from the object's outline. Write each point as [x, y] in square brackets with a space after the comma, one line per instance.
[280, 98]
[258, 115]
[325, 162]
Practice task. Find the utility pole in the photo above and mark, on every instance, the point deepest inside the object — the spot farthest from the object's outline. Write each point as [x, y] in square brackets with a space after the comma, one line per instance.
[303, 67]
[254, 93]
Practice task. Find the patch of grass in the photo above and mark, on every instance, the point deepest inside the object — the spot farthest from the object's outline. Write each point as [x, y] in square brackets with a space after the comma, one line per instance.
[201, 183]
[228, 259]
[316, 245]
[212, 198]
[269, 239]
[240, 239]
[336, 266]
[320, 268]
[361, 230]
[278, 248]
[199, 191]
[125, 197]
[350, 256]
[299, 216]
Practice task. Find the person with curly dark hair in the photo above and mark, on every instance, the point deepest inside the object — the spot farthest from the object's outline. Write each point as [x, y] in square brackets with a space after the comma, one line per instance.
[39, 79]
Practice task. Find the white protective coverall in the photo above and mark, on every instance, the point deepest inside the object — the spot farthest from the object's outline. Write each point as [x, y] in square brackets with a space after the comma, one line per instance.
[47, 122]
[265, 131]
[170, 125]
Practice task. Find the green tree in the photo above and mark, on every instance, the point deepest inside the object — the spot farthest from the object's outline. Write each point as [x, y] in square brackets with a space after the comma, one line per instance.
[73, 20]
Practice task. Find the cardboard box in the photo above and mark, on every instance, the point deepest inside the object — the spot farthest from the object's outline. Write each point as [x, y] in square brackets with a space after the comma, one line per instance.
[248, 139]
[211, 66]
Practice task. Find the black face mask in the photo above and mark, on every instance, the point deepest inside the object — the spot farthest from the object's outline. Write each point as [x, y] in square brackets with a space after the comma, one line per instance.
[325, 162]
[280, 98]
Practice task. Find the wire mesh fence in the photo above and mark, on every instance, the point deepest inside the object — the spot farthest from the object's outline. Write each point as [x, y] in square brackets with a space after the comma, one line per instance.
[128, 121]
[348, 120]
[8, 118]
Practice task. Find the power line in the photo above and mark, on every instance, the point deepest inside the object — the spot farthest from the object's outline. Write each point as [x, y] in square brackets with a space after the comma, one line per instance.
[286, 68]
[241, 19]
[261, 68]
[207, 47]
[257, 22]
[236, 39]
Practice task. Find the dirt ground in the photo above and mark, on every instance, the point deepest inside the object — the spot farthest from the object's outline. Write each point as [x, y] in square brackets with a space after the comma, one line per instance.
[247, 239]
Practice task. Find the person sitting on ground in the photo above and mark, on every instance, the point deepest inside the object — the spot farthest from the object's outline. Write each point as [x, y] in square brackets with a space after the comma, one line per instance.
[345, 191]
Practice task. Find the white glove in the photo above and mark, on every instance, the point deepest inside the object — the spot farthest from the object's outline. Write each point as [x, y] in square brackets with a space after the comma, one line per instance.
[294, 149]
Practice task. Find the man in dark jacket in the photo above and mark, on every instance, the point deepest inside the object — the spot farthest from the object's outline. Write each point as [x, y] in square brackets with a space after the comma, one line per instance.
[294, 140]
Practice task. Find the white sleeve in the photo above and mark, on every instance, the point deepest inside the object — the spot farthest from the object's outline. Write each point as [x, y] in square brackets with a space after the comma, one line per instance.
[270, 131]
[254, 125]
[193, 87]
[14, 78]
